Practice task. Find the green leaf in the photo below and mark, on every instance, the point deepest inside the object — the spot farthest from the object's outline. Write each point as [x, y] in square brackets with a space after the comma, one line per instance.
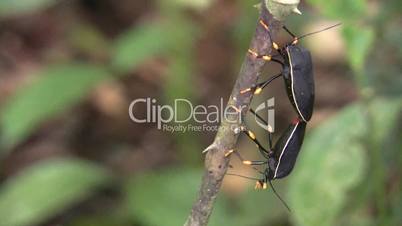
[56, 89]
[89, 40]
[139, 44]
[332, 162]
[341, 9]
[193, 4]
[359, 42]
[15, 7]
[165, 198]
[181, 72]
[46, 189]
[244, 27]
[101, 218]
[385, 114]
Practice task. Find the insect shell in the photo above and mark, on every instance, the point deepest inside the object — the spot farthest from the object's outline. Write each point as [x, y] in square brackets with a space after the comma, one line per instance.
[299, 79]
[285, 151]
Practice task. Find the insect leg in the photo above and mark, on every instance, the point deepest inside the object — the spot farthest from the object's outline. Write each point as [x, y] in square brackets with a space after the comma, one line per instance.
[262, 85]
[260, 183]
[248, 162]
[266, 123]
[295, 38]
[266, 27]
[289, 32]
[266, 57]
[245, 162]
[264, 152]
[274, 46]
[258, 88]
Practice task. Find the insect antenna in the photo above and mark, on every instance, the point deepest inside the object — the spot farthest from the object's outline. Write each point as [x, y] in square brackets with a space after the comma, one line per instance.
[319, 31]
[279, 197]
[270, 183]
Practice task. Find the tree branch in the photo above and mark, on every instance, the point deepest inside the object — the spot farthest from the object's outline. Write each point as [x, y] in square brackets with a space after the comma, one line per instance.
[216, 164]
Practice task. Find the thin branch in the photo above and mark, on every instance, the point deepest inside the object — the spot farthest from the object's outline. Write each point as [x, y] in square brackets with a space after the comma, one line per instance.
[216, 164]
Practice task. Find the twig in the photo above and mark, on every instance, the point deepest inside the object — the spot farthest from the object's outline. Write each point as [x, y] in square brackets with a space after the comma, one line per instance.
[216, 164]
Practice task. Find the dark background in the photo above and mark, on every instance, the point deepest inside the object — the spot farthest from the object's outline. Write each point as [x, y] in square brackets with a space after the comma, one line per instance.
[70, 155]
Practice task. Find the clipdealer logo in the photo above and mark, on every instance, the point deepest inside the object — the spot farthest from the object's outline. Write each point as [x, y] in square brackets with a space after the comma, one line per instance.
[183, 116]
[267, 108]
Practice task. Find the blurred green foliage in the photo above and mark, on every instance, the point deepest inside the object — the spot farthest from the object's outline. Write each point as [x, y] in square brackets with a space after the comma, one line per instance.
[358, 43]
[140, 43]
[15, 8]
[342, 172]
[46, 189]
[32, 105]
[342, 9]
[145, 201]
[337, 164]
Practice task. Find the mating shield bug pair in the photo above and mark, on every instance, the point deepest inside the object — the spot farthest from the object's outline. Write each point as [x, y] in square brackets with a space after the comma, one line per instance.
[297, 71]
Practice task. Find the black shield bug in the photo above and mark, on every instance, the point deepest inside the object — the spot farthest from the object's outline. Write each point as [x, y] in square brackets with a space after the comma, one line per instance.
[279, 159]
[297, 71]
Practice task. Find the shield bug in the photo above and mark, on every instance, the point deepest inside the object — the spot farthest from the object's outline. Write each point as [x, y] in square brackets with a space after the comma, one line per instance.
[297, 71]
[280, 159]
